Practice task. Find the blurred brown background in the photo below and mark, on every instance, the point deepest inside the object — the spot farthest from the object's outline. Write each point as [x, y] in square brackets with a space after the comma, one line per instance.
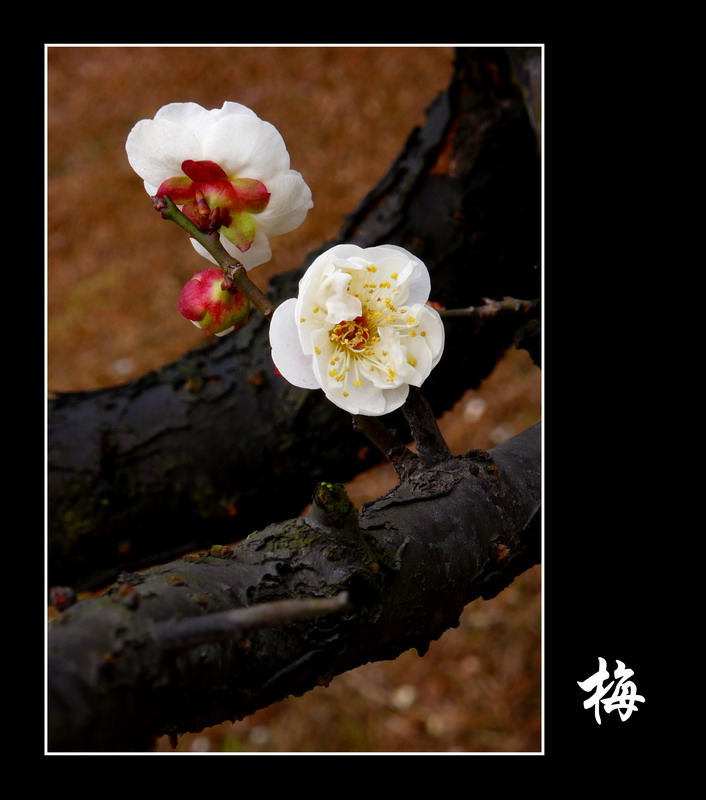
[115, 271]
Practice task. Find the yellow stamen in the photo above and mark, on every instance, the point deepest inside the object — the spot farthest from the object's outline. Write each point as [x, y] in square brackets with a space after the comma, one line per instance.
[351, 334]
[317, 351]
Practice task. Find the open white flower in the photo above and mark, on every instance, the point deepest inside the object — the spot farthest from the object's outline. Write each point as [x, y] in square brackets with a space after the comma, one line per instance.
[360, 329]
[234, 161]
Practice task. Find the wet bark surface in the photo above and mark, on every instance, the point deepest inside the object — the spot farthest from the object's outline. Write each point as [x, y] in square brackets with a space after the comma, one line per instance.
[128, 666]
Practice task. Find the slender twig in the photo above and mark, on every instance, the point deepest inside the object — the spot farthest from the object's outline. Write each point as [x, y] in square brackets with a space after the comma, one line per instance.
[239, 623]
[234, 272]
[491, 308]
[387, 441]
[430, 443]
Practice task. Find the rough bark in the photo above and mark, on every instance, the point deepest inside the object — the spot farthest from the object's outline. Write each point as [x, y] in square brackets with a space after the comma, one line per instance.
[214, 445]
[130, 665]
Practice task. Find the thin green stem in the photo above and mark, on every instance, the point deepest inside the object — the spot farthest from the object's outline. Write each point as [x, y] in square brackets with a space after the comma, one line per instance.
[233, 271]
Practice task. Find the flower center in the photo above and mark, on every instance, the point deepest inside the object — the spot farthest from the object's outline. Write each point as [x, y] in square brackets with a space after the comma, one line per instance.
[351, 333]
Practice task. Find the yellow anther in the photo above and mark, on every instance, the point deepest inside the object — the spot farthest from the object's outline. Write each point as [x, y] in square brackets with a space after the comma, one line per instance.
[352, 334]
[412, 361]
[394, 276]
[372, 268]
[303, 319]
[332, 373]
[422, 333]
[315, 309]
[413, 333]
[411, 320]
[317, 351]
[357, 383]
[345, 394]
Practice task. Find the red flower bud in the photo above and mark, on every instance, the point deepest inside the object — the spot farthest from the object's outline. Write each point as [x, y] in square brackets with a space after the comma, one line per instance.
[210, 307]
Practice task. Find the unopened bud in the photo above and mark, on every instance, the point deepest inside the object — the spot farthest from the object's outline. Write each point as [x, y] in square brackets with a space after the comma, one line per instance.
[210, 307]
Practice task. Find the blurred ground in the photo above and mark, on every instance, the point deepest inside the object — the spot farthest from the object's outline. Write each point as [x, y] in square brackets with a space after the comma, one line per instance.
[115, 270]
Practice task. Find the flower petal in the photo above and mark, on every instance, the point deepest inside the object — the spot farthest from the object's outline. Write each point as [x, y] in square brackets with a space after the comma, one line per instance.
[334, 297]
[395, 398]
[258, 253]
[191, 116]
[366, 399]
[246, 147]
[337, 253]
[290, 200]
[286, 351]
[228, 109]
[157, 148]
[431, 324]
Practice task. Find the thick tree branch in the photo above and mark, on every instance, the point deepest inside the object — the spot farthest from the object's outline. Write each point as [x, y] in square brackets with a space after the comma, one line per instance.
[215, 445]
[459, 529]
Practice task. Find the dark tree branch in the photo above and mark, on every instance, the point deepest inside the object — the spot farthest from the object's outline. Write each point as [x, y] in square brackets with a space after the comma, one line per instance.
[215, 445]
[387, 442]
[422, 424]
[237, 624]
[491, 308]
[453, 531]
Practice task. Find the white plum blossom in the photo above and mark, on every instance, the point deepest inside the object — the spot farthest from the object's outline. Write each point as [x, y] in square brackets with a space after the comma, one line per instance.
[229, 159]
[360, 329]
